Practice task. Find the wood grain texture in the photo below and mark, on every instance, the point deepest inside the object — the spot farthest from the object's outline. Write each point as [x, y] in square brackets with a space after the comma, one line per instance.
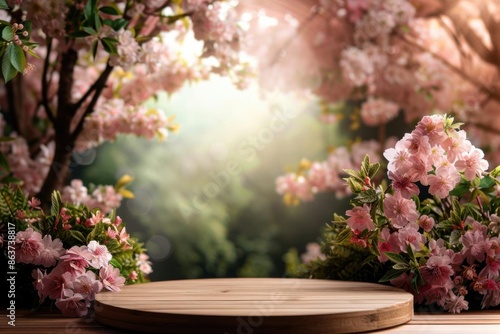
[255, 305]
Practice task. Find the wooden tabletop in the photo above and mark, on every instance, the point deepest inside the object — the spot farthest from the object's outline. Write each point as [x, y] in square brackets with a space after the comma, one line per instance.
[484, 322]
[480, 322]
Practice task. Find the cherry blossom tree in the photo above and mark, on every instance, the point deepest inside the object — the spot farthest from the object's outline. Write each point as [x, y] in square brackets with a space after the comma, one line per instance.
[77, 73]
[376, 59]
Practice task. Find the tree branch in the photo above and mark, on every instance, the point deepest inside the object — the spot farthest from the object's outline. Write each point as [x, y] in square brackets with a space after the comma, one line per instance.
[46, 82]
[314, 11]
[493, 93]
[461, 25]
[493, 28]
[97, 88]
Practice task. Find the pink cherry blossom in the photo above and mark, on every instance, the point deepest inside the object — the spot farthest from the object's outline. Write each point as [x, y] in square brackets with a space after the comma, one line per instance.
[51, 252]
[75, 260]
[456, 146]
[426, 223]
[409, 235]
[144, 264]
[133, 275]
[54, 283]
[360, 219]
[38, 276]
[398, 157]
[98, 255]
[432, 127]
[387, 243]
[110, 278]
[375, 112]
[400, 211]
[437, 270]
[436, 293]
[443, 182]
[72, 303]
[455, 304]
[418, 145]
[87, 285]
[475, 246]
[313, 252]
[29, 245]
[492, 268]
[403, 184]
[472, 164]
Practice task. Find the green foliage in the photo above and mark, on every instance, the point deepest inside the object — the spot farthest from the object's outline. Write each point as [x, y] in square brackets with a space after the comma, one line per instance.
[11, 201]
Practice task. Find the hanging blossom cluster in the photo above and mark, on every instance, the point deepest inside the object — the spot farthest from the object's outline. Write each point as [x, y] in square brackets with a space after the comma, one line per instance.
[437, 224]
[77, 252]
[316, 177]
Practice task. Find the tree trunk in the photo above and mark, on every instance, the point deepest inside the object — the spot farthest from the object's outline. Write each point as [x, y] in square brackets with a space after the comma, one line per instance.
[60, 167]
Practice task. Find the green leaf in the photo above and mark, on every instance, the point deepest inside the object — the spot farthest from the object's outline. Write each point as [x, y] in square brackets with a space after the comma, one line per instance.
[17, 57]
[90, 9]
[112, 215]
[109, 10]
[344, 236]
[10, 179]
[486, 182]
[3, 4]
[8, 70]
[495, 172]
[367, 196]
[4, 163]
[461, 188]
[392, 274]
[401, 266]
[80, 34]
[115, 263]
[89, 30]
[373, 170]
[56, 203]
[109, 45]
[119, 24]
[7, 34]
[455, 237]
[78, 236]
[395, 257]
[354, 185]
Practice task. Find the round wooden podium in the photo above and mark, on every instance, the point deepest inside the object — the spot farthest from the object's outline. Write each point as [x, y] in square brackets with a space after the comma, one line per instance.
[254, 305]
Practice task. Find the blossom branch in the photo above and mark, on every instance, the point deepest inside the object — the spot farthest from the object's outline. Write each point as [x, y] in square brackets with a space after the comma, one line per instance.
[462, 27]
[457, 70]
[97, 88]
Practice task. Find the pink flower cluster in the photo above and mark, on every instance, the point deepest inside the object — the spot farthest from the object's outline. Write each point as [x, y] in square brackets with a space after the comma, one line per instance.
[115, 117]
[72, 282]
[103, 197]
[375, 112]
[436, 156]
[429, 148]
[324, 176]
[31, 169]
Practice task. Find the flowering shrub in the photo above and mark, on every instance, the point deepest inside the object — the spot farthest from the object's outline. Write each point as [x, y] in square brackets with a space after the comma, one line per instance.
[434, 230]
[70, 253]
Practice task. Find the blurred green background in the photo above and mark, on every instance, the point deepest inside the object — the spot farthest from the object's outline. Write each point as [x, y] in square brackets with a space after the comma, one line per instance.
[205, 201]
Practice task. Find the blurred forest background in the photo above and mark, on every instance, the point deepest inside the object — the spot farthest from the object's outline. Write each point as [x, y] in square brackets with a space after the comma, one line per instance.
[193, 228]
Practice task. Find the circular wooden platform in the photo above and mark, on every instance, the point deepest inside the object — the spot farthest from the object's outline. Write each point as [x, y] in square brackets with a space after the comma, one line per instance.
[254, 305]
